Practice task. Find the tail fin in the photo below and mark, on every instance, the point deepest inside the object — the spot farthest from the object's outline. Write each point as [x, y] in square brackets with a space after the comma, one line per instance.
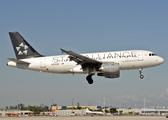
[87, 110]
[21, 47]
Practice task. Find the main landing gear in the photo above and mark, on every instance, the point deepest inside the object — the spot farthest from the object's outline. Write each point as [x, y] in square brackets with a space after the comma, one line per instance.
[140, 72]
[89, 79]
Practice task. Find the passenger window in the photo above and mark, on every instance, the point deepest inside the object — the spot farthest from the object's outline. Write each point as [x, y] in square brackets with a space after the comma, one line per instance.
[150, 54]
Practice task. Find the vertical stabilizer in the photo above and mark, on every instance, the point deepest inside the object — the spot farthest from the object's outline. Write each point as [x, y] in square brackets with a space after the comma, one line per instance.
[21, 47]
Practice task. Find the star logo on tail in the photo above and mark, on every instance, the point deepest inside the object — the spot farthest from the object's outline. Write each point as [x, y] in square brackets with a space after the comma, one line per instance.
[22, 49]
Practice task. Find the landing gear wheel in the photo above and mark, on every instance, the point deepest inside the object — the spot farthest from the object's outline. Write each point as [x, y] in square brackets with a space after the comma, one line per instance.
[89, 79]
[140, 72]
[141, 76]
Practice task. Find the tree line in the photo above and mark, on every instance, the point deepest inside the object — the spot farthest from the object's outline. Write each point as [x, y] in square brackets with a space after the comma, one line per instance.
[36, 109]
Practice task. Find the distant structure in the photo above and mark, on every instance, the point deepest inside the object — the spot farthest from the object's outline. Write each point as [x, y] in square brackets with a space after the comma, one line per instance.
[152, 110]
[81, 112]
[14, 112]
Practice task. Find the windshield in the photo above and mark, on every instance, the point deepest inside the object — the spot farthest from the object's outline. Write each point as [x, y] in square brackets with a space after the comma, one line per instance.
[152, 54]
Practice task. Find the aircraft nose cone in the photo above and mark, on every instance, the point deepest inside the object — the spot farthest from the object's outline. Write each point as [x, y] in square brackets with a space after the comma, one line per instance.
[161, 60]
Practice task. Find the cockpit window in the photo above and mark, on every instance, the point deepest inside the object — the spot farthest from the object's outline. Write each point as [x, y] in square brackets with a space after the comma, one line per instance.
[152, 54]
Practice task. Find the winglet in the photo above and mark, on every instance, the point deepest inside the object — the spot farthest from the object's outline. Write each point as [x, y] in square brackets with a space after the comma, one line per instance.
[63, 50]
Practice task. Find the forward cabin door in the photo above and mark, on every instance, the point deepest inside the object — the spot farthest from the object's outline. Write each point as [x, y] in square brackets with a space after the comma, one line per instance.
[140, 56]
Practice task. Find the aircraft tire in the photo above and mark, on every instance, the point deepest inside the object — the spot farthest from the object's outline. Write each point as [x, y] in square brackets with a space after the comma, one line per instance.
[89, 79]
[141, 76]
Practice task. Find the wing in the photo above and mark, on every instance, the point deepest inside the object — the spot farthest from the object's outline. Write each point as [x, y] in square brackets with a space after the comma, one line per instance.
[83, 60]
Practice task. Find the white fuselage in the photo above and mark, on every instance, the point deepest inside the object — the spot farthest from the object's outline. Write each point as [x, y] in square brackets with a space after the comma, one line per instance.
[133, 59]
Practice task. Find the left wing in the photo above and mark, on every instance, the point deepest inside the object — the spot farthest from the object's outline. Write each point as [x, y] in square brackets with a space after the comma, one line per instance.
[83, 60]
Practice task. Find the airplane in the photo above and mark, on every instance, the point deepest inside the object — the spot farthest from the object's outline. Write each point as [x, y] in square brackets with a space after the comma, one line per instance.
[106, 64]
[94, 112]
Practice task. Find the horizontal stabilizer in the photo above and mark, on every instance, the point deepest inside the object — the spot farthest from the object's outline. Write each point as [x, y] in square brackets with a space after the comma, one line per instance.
[18, 61]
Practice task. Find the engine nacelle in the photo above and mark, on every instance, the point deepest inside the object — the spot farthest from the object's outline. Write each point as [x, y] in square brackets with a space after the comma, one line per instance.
[110, 70]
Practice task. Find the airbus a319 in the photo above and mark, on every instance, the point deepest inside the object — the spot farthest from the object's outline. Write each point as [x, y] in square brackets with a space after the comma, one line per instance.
[106, 64]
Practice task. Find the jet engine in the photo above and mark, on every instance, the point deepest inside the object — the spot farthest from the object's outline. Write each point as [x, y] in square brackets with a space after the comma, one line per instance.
[110, 70]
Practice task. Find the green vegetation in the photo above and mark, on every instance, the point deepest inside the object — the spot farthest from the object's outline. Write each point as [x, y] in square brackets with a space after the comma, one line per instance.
[130, 113]
[120, 112]
[106, 111]
[136, 113]
[113, 110]
[35, 109]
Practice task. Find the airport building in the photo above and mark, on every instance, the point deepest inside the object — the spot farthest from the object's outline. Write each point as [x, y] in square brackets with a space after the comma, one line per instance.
[144, 111]
[155, 111]
[81, 112]
[14, 112]
[129, 111]
[73, 112]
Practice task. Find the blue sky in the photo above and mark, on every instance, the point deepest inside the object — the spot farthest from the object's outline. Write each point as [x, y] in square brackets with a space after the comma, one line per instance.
[83, 27]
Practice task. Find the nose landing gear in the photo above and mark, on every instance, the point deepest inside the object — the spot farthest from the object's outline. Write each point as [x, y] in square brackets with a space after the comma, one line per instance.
[140, 72]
